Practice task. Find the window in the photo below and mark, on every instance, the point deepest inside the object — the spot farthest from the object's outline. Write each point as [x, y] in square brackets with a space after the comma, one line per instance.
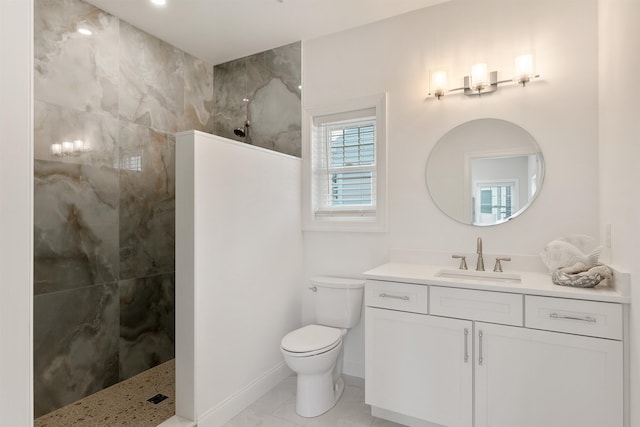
[495, 202]
[344, 168]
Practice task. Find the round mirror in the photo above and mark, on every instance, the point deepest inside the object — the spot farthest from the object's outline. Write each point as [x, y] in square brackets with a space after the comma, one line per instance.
[485, 172]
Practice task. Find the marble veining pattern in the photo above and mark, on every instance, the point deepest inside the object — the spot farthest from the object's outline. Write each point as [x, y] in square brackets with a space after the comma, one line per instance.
[147, 201]
[107, 215]
[271, 82]
[75, 210]
[147, 323]
[151, 89]
[55, 124]
[71, 69]
[122, 404]
[75, 345]
[198, 95]
[275, 118]
[230, 88]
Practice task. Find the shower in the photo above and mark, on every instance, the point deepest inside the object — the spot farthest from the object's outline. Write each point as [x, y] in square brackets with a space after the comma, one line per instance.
[242, 131]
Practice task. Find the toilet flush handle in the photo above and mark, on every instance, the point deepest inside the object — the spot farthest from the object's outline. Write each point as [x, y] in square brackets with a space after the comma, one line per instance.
[313, 288]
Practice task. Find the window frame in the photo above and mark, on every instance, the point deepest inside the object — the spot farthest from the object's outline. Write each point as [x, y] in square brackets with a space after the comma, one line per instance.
[345, 218]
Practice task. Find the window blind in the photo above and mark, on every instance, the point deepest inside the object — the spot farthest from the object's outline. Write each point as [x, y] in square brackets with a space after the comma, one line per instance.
[344, 164]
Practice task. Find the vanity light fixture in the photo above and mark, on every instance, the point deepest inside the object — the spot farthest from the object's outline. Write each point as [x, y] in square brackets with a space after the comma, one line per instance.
[69, 148]
[482, 81]
[439, 83]
[159, 2]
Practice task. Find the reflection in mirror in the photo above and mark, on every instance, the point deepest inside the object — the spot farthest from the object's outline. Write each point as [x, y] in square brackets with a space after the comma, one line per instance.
[485, 172]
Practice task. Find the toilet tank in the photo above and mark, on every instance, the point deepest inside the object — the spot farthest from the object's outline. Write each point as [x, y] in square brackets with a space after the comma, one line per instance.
[338, 301]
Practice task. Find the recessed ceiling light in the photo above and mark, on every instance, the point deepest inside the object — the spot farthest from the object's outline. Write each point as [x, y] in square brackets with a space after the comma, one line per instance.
[159, 2]
[85, 31]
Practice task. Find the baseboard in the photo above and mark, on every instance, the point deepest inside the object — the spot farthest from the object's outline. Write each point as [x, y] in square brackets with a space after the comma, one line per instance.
[355, 369]
[177, 421]
[234, 404]
[400, 418]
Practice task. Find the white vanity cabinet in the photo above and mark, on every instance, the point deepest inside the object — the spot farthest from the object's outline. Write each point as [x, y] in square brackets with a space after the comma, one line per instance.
[446, 356]
[419, 365]
[532, 378]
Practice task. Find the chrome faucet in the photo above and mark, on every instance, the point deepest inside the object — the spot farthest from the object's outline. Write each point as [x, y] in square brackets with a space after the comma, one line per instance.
[480, 264]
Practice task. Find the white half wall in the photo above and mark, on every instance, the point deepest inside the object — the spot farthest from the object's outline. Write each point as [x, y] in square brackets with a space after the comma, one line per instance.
[16, 212]
[238, 272]
[560, 111]
[619, 156]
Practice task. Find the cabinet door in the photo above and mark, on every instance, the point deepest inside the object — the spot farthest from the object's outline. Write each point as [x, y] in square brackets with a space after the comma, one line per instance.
[416, 366]
[530, 378]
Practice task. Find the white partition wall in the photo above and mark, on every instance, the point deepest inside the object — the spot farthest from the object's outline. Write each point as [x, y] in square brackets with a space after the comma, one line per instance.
[238, 272]
[16, 213]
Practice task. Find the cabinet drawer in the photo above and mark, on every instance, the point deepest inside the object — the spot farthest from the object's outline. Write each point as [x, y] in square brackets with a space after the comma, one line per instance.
[484, 306]
[596, 319]
[396, 296]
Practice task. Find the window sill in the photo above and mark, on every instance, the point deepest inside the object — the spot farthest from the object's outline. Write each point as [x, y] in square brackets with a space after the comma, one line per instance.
[346, 225]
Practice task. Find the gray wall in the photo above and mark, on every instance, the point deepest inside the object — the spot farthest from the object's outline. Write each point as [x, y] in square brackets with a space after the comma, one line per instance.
[264, 88]
[104, 219]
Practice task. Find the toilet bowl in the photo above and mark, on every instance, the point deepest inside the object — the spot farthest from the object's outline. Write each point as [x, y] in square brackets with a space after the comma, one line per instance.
[314, 352]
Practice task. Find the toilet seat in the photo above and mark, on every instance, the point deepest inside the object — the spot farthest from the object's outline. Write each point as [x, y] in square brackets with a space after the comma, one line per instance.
[311, 340]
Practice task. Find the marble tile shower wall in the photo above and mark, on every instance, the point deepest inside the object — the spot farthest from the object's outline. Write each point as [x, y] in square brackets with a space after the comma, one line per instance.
[265, 89]
[104, 217]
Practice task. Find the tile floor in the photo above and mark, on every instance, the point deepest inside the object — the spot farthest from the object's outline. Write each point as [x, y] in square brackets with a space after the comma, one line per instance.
[123, 404]
[277, 409]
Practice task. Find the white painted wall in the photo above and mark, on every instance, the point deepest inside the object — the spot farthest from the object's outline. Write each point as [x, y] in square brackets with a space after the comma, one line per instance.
[238, 272]
[560, 111]
[16, 212]
[619, 156]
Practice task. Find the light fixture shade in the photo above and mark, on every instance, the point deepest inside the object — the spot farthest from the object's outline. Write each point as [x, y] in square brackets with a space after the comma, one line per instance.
[523, 67]
[479, 76]
[56, 149]
[439, 84]
[78, 145]
[67, 147]
[439, 81]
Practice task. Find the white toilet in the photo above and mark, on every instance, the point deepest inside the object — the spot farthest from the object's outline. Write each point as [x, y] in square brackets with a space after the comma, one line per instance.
[314, 352]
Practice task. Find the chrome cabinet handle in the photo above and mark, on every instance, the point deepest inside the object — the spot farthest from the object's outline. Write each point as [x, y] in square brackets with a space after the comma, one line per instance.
[402, 297]
[466, 345]
[480, 358]
[582, 319]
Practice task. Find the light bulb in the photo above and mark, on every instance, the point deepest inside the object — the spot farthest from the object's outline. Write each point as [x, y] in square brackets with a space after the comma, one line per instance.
[523, 68]
[56, 149]
[78, 146]
[439, 83]
[67, 147]
[479, 76]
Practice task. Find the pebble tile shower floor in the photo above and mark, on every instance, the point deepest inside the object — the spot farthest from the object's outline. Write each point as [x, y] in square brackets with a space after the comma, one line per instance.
[123, 404]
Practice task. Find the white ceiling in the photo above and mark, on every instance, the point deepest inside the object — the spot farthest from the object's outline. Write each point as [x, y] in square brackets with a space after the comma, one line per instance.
[221, 30]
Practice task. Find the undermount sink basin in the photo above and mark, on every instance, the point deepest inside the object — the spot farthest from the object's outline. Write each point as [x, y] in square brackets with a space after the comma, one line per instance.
[485, 276]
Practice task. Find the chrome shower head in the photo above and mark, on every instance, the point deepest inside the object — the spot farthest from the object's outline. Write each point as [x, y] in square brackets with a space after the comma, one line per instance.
[243, 131]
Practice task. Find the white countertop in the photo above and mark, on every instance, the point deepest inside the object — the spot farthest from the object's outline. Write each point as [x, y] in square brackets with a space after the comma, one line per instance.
[532, 283]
